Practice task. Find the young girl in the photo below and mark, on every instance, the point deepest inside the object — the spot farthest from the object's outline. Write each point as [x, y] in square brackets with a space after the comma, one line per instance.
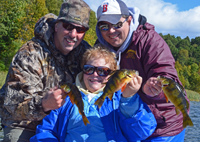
[124, 118]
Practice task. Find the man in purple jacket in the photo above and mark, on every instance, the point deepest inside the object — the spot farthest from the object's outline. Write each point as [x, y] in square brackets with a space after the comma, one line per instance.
[138, 46]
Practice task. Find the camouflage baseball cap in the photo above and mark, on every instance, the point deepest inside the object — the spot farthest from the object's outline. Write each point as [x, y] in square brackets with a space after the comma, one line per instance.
[75, 11]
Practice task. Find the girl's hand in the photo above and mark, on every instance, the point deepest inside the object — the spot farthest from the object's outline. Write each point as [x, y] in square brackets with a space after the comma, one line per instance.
[132, 87]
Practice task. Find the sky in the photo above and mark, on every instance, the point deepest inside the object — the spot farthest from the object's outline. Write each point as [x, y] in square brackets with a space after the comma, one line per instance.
[175, 17]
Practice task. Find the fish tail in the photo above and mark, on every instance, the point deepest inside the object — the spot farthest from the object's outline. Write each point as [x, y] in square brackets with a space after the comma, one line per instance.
[85, 120]
[99, 102]
[187, 121]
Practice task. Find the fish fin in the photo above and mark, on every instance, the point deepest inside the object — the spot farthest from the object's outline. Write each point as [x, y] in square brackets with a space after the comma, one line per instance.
[72, 101]
[187, 104]
[123, 87]
[99, 102]
[187, 121]
[181, 88]
[110, 96]
[70, 97]
[158, 77]
[108, 77]
[166, 98]
[104, 82]
[177, 111]
[137, 73]
[112, 73]
[85, 120]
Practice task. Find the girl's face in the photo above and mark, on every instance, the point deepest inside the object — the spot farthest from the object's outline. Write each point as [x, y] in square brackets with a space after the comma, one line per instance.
[94, 82]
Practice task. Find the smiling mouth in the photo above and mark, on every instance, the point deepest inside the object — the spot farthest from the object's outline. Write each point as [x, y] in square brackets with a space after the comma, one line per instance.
[70, 41]
[95, 81]
[113, 36]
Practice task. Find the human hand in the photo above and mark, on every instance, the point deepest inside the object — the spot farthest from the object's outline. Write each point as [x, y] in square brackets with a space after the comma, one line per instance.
[152, 87]
[53, 99]
[132, 87]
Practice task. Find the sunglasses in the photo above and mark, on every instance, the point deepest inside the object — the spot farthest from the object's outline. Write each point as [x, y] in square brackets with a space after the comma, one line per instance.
[70, 27]
[105, 26]
[101, 71]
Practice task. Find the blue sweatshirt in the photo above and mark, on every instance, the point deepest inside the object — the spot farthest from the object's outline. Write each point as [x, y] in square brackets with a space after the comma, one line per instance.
[120, 119]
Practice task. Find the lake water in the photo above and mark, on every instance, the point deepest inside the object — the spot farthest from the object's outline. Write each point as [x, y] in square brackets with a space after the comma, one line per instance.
[192, 133]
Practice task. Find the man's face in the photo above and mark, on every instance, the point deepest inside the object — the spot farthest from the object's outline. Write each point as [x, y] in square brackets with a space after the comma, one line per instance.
[66, 39]
[116, 37]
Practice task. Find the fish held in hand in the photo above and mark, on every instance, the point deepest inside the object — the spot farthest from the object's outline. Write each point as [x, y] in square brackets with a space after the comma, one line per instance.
[116, 81]
[175, 92]
[76, 98]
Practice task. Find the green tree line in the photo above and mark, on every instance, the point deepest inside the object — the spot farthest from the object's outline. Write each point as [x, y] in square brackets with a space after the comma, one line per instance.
[18, 18]
[187, 56]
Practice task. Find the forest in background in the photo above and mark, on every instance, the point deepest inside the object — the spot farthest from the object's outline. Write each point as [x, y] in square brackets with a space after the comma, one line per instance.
[18, 18]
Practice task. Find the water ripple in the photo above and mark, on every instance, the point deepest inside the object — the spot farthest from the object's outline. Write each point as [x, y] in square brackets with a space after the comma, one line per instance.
[192, 134]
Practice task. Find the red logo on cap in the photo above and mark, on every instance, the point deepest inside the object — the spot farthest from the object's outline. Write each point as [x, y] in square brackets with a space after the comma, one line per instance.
[105, 7]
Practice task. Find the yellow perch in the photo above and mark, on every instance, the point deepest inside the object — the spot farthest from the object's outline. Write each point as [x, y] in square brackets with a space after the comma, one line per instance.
[76, 98]
[175, 93]
[117, 80]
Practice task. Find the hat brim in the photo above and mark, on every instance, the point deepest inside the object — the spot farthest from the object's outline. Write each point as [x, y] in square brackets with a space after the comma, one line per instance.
[111, 18]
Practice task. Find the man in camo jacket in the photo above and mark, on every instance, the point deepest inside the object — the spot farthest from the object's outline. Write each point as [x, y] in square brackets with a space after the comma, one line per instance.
[52, 57]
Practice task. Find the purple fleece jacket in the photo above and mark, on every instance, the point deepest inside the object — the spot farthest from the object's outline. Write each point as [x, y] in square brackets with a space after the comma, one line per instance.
[149, 54]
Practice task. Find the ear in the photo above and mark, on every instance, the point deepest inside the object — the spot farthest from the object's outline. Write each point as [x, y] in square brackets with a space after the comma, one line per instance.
[129, 19]
[56, 27]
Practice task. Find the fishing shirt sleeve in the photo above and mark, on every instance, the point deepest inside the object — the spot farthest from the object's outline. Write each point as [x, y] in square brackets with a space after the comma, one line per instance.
[24, 86]
[136, 119]
[156, 57]
[129, 106]
[54, 126]
[47, 130]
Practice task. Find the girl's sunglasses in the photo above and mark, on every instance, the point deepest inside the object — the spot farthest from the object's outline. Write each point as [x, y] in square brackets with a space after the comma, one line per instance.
[106, 27]
[70, 27]
[101, 71]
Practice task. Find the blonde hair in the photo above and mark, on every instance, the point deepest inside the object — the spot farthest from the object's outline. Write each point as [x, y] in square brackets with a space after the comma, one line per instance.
[99, 51]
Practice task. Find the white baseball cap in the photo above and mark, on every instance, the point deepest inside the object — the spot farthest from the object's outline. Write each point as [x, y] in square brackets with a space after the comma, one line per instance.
[111, 11]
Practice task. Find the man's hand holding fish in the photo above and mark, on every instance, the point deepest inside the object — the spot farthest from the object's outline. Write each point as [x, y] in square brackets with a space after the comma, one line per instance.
[152, 87]
[53, 99]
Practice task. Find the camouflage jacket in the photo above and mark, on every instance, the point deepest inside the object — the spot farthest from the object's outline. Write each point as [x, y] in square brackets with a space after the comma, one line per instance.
[36, 67]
